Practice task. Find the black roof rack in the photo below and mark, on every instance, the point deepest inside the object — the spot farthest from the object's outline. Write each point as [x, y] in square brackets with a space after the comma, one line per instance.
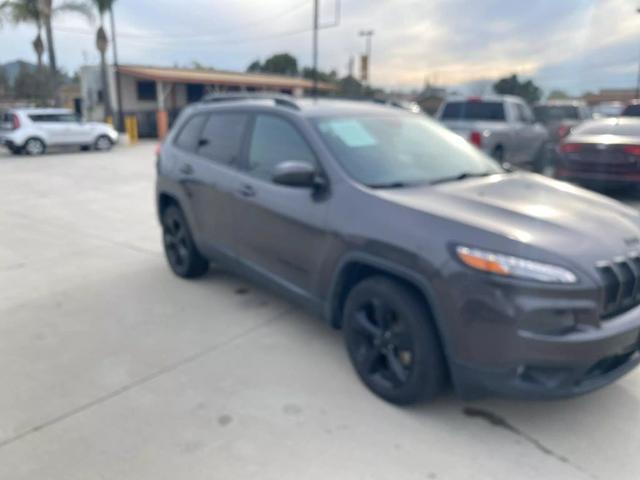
[279, 99]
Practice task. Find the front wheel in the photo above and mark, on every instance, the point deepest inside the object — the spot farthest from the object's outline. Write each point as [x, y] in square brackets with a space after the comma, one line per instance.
[103, 144]
[392, 342]
[184, 258]
[34, 146]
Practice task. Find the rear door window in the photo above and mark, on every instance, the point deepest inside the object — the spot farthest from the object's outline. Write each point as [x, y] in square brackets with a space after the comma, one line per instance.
[474, 110]
[189, 136]
[221, 138]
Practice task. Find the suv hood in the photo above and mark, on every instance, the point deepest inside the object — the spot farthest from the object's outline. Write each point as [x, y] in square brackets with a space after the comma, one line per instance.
[535, 210]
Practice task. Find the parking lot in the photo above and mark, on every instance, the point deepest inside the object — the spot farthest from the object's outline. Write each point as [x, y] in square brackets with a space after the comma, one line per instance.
[113, 368]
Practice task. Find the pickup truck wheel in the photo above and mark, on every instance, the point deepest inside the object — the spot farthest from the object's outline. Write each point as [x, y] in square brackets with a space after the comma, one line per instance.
[103, 144]
[392, 342]
[34, 146]
[184, 258]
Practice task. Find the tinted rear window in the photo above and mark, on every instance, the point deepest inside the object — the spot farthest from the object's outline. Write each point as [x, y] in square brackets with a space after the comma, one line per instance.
[474, 111]
[556, 112]
[632, 111]
[222, 137]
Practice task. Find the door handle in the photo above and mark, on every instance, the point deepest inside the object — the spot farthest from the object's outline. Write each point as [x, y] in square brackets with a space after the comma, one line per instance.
[247, 191]
[186, 169]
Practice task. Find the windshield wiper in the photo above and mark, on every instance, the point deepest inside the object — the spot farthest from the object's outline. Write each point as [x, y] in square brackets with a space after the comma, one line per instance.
[461, 176]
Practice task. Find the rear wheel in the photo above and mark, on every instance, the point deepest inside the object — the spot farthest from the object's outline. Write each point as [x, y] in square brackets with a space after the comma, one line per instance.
[34, 146]
[184, 258]
[392, 342]
[103, 143]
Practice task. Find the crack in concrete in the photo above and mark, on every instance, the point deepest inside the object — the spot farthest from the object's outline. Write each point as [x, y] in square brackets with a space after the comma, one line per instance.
[143, 380]
[497, 421]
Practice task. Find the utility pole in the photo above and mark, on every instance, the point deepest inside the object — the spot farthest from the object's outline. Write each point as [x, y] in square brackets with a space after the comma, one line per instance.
[638, 82]
[315, 47]
[367, 34]
[120, 121]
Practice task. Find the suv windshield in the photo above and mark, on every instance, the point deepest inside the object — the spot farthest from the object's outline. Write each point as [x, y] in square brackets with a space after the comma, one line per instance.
[396, 151]
[546, 113]
[474, 110]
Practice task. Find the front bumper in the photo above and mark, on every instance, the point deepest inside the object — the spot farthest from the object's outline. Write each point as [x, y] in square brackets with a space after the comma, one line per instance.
[535, 341]
[557, 367]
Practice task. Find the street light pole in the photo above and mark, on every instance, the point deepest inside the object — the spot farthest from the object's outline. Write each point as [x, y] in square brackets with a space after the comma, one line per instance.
[315, 47]
[116, 67]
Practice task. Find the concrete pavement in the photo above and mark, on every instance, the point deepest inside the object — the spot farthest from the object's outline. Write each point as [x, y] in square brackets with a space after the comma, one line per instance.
[112, 368]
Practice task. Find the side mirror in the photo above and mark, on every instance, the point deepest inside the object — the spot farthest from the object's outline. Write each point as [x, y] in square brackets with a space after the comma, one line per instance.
[294, 174]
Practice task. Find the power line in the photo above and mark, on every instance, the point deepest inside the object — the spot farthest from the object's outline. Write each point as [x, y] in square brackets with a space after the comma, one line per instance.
[164, 36]
[169, 42]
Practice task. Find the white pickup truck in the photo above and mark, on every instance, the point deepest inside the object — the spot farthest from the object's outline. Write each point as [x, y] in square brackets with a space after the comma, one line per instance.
[503, 126]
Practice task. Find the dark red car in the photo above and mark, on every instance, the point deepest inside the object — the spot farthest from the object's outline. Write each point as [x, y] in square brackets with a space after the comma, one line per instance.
[605, 151]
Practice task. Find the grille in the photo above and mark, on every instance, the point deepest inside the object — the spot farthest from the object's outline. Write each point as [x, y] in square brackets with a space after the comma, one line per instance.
[621, 284]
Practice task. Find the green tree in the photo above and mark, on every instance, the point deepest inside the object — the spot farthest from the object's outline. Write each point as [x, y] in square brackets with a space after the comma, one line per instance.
[528, 90]
[559, 95]
[25, 11]
[255, 67]
[331, 77]
[281, 63]
[4, 82]
[33, 85]
[102, 43]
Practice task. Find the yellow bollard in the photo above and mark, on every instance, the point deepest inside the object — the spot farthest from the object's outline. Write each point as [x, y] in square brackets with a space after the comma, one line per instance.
[131, 126]
[110, 120]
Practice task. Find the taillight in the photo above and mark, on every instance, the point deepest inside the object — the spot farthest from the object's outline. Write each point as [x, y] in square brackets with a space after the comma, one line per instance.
[563, 131]
[15, 122]
[632, 150]
[476, 139]
[570, 147]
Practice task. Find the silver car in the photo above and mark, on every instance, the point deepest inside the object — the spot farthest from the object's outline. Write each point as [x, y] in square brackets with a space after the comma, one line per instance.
[34, 130]
[502, 126]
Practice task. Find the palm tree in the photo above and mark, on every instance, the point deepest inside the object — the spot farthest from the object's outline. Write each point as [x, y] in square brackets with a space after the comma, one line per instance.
[25, 11]
[48, 11]
[102, 42]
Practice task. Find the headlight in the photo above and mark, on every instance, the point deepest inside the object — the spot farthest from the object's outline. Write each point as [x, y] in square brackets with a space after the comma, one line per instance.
[509, 266]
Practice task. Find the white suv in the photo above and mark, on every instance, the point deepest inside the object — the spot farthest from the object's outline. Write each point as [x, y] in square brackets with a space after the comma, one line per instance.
[32, 131]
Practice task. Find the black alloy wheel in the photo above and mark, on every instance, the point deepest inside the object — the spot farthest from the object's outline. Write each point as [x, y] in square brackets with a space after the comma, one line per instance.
[392, 342]
[184, 258]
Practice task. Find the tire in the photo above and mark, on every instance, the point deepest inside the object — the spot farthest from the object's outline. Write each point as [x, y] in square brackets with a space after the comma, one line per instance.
[15, 150]
[392, 341]
[102, 144]
[34, 146]
[184, 258]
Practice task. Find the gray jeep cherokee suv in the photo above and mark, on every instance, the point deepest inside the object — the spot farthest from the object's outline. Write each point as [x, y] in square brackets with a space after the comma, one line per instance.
[434, 261]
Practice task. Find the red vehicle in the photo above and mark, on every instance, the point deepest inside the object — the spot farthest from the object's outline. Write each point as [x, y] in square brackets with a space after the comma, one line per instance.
[605, 151]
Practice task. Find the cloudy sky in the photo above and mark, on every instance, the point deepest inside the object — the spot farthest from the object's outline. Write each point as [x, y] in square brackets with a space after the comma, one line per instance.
[575, 45]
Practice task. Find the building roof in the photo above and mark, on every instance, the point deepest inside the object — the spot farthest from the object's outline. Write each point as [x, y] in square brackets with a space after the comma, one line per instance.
[215, 77]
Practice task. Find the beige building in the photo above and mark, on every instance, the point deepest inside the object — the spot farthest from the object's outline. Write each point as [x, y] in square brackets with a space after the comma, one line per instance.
[155, 95]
